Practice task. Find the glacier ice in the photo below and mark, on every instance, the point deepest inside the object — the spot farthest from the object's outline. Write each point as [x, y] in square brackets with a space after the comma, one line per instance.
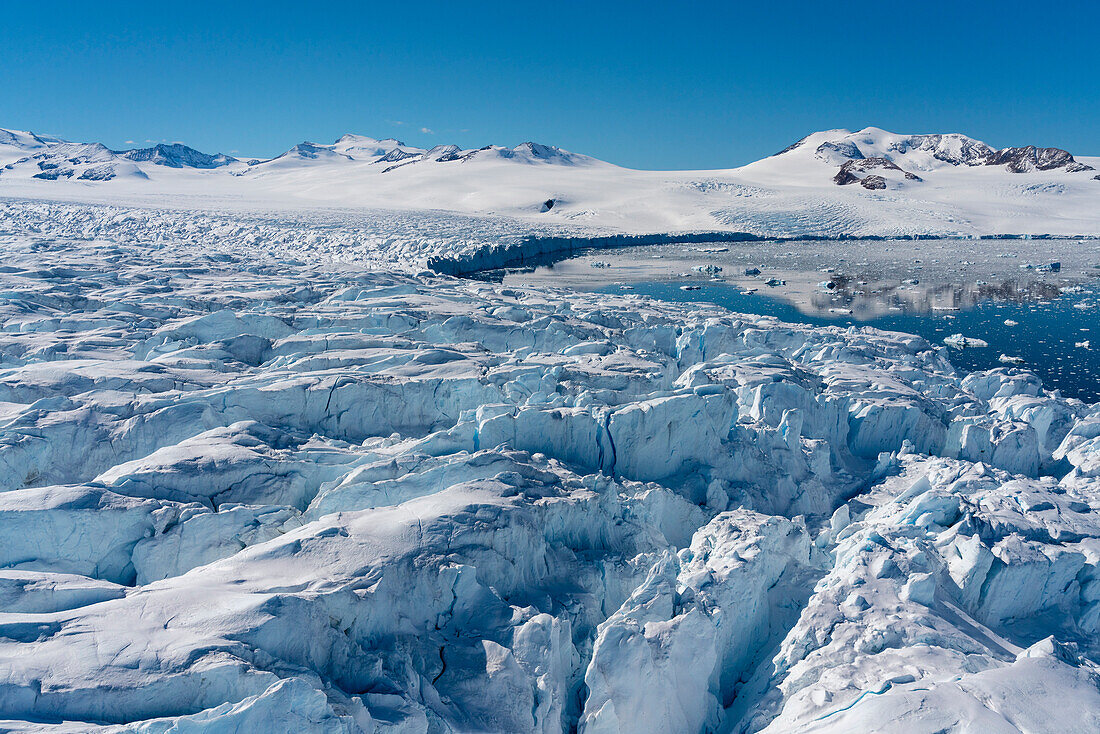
[251, 493]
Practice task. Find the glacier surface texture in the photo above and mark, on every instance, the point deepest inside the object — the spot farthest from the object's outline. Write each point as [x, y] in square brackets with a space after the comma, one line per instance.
[244, 491]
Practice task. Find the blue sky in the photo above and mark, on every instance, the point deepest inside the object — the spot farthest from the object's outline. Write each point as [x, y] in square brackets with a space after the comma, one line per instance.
[647, 85]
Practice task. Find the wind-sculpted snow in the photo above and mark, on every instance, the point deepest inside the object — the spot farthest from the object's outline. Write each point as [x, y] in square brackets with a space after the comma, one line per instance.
[243, 493]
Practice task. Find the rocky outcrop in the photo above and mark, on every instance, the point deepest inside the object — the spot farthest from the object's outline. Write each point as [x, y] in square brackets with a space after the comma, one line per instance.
[1030, 158]
[958, 150]
[874, 148]
[850, 170]
[177, 155]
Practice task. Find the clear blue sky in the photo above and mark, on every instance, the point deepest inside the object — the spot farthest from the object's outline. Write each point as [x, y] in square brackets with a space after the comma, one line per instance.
[648, 85]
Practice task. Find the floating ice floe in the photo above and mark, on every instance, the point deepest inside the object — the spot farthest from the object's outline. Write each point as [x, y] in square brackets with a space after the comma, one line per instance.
[964, 342]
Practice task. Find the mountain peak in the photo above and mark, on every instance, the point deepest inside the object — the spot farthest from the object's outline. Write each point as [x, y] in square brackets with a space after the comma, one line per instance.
[355, 139]
[925, 152]
[177, 155]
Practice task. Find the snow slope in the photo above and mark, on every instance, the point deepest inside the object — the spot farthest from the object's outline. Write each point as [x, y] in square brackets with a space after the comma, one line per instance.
[930, 184]
[241, 492]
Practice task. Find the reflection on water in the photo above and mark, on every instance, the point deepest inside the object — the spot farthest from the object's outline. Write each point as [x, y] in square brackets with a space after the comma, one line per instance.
[868, 300]
[1045, 319]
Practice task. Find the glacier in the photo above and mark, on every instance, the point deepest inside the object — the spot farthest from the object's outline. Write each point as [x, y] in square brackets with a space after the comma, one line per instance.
[273, 483]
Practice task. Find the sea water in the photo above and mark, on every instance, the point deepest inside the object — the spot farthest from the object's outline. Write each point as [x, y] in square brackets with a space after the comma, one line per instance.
[1036, 304]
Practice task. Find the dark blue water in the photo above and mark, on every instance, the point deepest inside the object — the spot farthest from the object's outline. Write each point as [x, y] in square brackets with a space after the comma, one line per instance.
[1044, 338]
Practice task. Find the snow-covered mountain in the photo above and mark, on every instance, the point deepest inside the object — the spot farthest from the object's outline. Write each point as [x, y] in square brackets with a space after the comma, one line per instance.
[391, 154]
[16, 144]
[25, 154]
[177, 155]
[836, 182]
[882, 155]
[930, 152]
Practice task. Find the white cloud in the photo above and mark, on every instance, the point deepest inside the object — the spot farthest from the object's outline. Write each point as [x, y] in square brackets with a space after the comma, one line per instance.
[427, 131]
[130, 142]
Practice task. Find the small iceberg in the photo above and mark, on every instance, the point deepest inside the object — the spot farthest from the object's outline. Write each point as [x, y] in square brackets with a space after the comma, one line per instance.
[964, 342]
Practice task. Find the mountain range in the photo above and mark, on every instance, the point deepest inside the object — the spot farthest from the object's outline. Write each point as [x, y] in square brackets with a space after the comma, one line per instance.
[832, 182]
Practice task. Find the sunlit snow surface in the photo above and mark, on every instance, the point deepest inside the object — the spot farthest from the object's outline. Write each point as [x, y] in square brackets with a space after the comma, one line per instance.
[249, 490]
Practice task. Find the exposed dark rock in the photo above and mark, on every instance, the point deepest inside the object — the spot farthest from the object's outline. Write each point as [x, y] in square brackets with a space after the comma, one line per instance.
[445, 153]
[873, 182]
[844, 177]
[54, 174]
[1029, 158]
[538, 150]
[547, 205]
[305, 150]
[848, 172]
[958, 150]
[104, 172]
[845, 148]
[952, 148]
[177, 155]
[791, 147]
[396, 155]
